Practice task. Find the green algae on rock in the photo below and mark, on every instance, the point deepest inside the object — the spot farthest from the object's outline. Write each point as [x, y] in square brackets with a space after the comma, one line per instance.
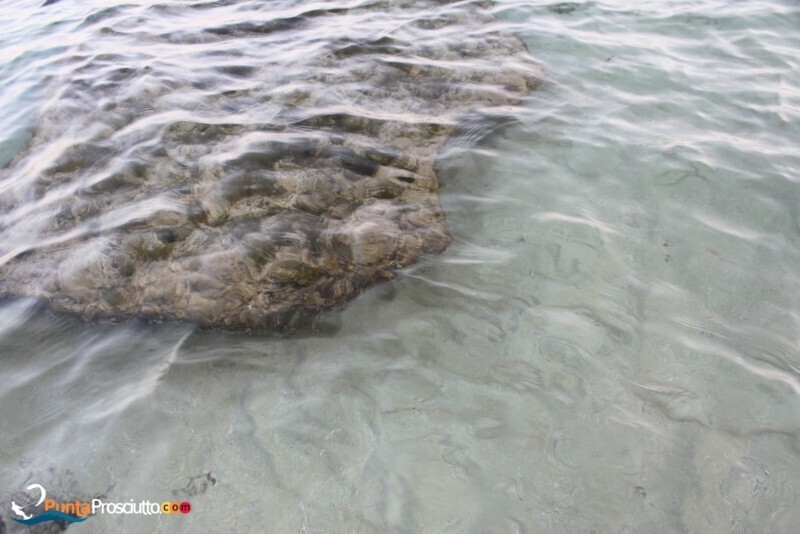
[203, 176]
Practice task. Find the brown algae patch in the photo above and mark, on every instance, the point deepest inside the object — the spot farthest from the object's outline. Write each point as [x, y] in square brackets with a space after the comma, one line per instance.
[238, 184]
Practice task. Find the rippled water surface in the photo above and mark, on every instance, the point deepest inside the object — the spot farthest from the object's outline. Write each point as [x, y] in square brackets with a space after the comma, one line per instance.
[609, 344]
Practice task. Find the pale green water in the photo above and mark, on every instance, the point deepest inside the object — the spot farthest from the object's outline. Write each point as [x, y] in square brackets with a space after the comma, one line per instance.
[610, 345]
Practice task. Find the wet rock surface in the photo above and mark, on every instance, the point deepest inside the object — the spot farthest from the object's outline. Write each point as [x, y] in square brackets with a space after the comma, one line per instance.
[251, 172]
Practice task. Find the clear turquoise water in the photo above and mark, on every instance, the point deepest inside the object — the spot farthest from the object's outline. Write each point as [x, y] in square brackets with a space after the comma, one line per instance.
[610, 345]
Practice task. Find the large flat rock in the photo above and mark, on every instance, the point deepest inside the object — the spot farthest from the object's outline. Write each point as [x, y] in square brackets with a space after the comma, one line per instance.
[246, 168]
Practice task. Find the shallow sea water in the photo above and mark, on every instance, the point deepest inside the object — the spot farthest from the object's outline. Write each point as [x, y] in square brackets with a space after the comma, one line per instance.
[611, 344]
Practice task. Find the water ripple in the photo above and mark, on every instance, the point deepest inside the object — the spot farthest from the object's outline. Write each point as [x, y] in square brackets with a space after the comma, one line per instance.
[610, 343]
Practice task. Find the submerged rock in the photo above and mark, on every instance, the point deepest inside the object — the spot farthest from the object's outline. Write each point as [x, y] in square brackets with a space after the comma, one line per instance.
[253, 173]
